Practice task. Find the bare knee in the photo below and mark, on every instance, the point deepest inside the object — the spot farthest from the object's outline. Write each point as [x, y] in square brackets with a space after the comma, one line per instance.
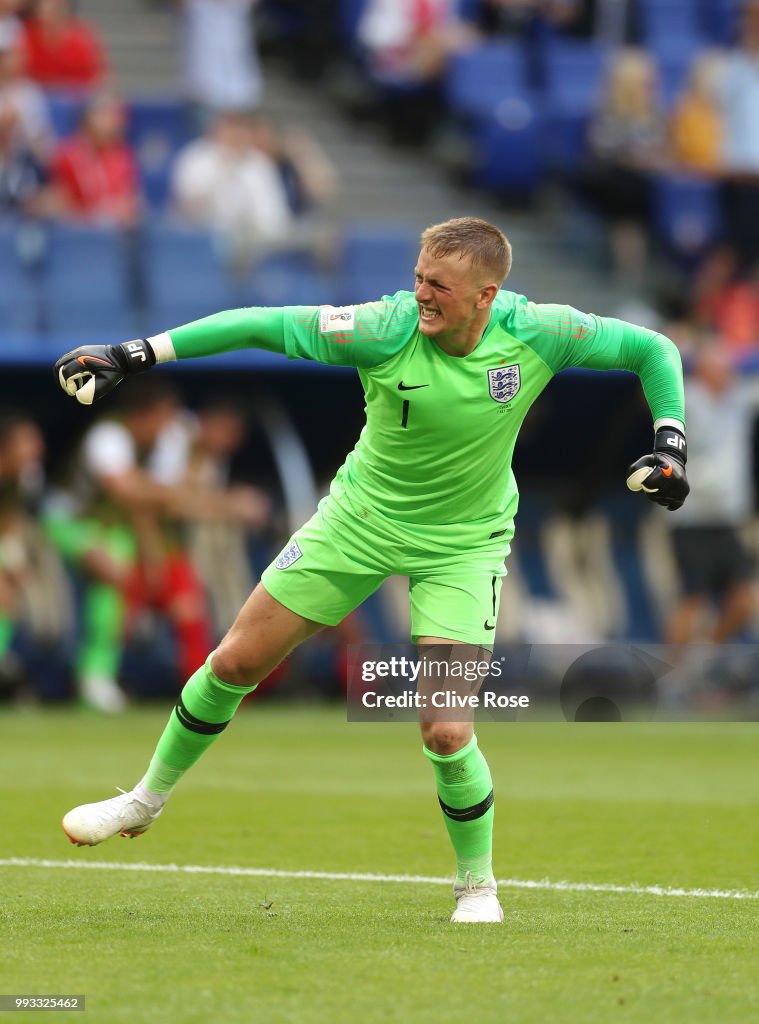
[238, 662]
[446, 737]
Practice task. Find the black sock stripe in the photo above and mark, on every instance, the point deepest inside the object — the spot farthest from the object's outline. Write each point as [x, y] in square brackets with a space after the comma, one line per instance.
[468, 813]
[195, 724]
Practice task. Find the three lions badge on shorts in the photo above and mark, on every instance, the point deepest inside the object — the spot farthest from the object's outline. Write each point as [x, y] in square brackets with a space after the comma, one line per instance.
[291, 554]
[504, 382]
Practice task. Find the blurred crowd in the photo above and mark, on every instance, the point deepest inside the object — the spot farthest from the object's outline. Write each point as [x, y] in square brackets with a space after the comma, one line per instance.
[140, 548]
[67, 152]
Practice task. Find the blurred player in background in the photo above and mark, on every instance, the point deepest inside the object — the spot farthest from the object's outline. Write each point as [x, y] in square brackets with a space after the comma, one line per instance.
[716, 569]
[34, 594]
[133, 489]
[449, 371]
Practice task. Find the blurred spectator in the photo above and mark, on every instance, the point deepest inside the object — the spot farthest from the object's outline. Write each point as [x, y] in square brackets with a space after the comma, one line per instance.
[95, 172]
[27, 98]
[309, 177]
[226, 182]
[62, 51]
[34, 596]
[727, 301]
[196, 450]
[221, 66]
[715, 567]
[697, 123]
[408, 43]
[740, 102]
[109, 527]
[22, 176]
[627, 142]
[409, 40]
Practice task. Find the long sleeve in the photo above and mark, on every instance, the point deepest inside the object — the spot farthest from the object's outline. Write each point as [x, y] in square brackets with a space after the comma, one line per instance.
[254, 327]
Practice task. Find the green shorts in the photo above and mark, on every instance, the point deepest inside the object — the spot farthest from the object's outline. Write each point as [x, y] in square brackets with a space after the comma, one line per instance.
[339, 557]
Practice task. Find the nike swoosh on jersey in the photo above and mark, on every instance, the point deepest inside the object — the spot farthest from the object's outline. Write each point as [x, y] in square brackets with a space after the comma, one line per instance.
[487, 626]
[411, 387]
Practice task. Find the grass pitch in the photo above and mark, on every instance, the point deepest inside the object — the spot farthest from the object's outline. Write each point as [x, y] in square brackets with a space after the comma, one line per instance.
[300, 789]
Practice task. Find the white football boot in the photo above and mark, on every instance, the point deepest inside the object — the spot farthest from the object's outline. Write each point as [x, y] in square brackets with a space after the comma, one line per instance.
[477, 903]
[125, 815]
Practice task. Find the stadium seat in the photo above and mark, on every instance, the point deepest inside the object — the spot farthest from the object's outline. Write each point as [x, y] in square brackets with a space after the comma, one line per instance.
[477, 81]
[288, 280]
[21, 247]
[65, 110]
[674, 58]
[377, 261]
[89, 281]
[510, 149]
[157, 129]
[720, 20]
[669, 19]
[573, 73]
[687, 214]
[185, 278]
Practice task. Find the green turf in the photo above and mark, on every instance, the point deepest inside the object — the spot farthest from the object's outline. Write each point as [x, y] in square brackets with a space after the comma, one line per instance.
[294, 789]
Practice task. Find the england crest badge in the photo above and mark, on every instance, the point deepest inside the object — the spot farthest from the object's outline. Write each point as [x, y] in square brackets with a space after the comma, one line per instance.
[504, 382]
[290, 554]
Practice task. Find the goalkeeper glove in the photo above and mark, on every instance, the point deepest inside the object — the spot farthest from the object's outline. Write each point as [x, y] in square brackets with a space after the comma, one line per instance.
[661, 475]
[91, 371]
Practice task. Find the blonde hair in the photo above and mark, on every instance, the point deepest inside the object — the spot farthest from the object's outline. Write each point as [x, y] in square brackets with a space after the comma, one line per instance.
[486, 245]
[630, 84]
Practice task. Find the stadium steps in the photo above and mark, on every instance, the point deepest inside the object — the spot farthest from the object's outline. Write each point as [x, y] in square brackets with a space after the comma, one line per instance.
[143, 43]
[379, 184]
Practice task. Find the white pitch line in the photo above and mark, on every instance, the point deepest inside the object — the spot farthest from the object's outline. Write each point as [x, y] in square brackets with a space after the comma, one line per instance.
[344, 876]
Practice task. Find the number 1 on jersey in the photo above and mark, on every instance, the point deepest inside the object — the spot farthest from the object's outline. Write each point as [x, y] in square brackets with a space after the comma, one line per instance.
[404, 415]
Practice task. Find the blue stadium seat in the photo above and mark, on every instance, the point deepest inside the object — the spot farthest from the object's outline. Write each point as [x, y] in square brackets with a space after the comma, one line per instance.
[720, 20]
[477, 81]
[65, 111]
[378, 261]
[510, 149]
[157, 129]
[674, 58]
[687, 215]
[288, 279]
[19, 278]
[669, 19]
[573, 73]
[185, 278]
[89, 281]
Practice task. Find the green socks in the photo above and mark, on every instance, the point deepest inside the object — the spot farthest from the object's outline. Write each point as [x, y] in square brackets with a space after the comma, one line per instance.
[465, 791]
[202, 713]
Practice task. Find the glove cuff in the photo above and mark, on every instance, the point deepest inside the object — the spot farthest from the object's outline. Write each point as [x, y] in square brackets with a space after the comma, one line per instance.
[135, 356]
[671, 442]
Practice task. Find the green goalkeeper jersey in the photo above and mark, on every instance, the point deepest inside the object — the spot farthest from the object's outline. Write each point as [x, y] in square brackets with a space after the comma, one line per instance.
[440, 430]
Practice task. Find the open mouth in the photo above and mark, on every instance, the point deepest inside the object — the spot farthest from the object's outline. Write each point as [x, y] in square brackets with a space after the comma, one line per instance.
[428, 315]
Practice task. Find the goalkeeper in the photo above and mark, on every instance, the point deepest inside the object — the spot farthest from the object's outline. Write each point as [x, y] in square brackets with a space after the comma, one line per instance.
[449, 373]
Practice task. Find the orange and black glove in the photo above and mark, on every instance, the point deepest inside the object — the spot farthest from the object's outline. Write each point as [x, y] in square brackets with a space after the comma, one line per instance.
[91, 371]
[661, 475]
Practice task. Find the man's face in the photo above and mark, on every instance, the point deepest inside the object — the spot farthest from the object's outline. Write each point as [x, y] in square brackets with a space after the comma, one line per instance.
[448, 293]
[147, 424]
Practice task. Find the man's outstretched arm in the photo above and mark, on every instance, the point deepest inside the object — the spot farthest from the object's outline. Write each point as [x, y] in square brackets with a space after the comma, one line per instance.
[91, 371]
